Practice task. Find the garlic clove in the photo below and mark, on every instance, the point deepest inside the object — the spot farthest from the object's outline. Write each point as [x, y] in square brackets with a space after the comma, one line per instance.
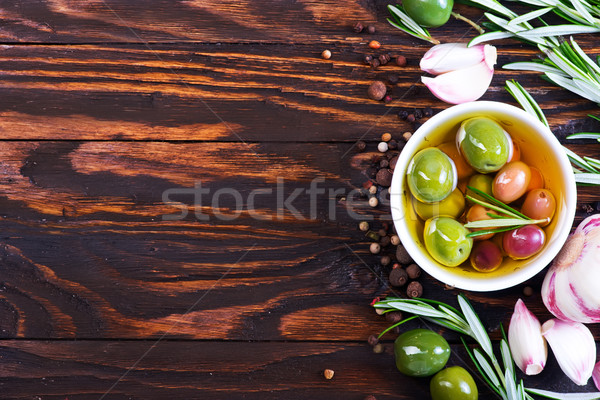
[570, 288]
[574, 348]
[527, 345]
[596, 375]
[448, 57]
[461, 86]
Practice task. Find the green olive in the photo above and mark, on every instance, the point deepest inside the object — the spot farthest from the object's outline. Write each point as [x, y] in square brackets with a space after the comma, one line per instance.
[421, 352]
[429, 13]
[452, 384]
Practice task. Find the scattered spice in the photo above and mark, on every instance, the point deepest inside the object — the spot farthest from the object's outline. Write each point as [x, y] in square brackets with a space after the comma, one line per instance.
[411, 118]
[378, 348]
[384, 163]
[527, 291]
[401, 61]
[374, 44]
[385, 260]
[393, 79]
[373, 202]
[374, 236]
[398, 277]
[373, 340]
[326, 54]
[406, 136]
[358, 27]
[377, 90]
[361, 146]
[384, 177]
[386, 137]
[373, 189]
[395, 240]
[375, 63]
[375, 248]
[368, 58]
[382, 232]
[387, 99]
[371, 29]
[414, 289]
[385, 241]
[413, 271]
[403, 114]
[393, 162]
[402, 255]
[418, 113]
[384, 59]
[382, 147]
[428, 112]
[393, 316]
[392, 144]
[363, 226]
[328, 373]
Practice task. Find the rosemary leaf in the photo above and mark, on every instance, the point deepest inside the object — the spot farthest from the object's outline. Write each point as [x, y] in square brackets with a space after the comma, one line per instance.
[486, 367]
[530, 15]
[566, 396]
[502, 223]
[491, 231]
[511, 386]
[584, 135]
[588, 178]
[389, 328]
[507, 360]
[508, 209]
[479, 333]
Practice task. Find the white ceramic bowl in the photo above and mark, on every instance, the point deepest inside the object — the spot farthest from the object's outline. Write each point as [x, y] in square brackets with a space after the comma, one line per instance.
[539, 148]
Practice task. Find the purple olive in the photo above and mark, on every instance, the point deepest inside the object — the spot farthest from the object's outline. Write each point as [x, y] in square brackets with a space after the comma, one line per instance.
[486, 256]
[523, 242]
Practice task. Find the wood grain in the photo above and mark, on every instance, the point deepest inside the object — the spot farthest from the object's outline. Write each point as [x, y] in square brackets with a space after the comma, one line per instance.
[87, 254]
[231, 92]
[190, 369]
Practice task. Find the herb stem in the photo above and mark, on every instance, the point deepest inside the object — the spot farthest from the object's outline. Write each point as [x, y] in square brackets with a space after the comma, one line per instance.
[468, 21]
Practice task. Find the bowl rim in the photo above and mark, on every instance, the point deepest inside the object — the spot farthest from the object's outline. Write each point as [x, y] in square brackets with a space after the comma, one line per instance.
[520, 275]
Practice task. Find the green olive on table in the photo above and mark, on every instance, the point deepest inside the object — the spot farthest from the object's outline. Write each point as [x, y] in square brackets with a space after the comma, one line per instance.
[453, 383]
[429, 13]
[421, 352]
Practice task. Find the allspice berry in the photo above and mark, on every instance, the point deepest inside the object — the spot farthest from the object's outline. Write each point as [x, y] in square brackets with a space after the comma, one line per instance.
[385, 260]
[326, 54]
[402, 255]
[414, 289]
[373, 202]
[393, 317]
[378, 348]
[373, 340]
[395, 240]
[398, 277]
[328, 373]
[386, 137]
[361, 146]
[413, 271]
[371, 29]
[377, 90]
[384, 177]
[527, 291]
[401, 61]
[384, 242]
[406, 136]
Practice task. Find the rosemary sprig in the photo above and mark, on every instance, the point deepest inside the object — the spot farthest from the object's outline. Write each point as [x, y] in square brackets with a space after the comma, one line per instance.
[503, 223]
[498, 374]
[402, 21]
[504, 208]
[590, 166]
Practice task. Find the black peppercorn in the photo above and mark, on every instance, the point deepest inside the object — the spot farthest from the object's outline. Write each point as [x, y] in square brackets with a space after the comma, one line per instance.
[384, 163]
[393, 79]
[375, 63]
[361, 146]
[418, 114]
[358, 27]
[371, 29]
[392, 144]
[384, 242]
[403, 114]
[428, 112]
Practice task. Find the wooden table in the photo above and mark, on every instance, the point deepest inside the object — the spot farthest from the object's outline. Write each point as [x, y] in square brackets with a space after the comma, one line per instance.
[110, 109]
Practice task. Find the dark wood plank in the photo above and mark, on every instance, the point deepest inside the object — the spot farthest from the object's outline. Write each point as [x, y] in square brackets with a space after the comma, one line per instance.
[231, 92]
[87, 254]
[220, 370]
